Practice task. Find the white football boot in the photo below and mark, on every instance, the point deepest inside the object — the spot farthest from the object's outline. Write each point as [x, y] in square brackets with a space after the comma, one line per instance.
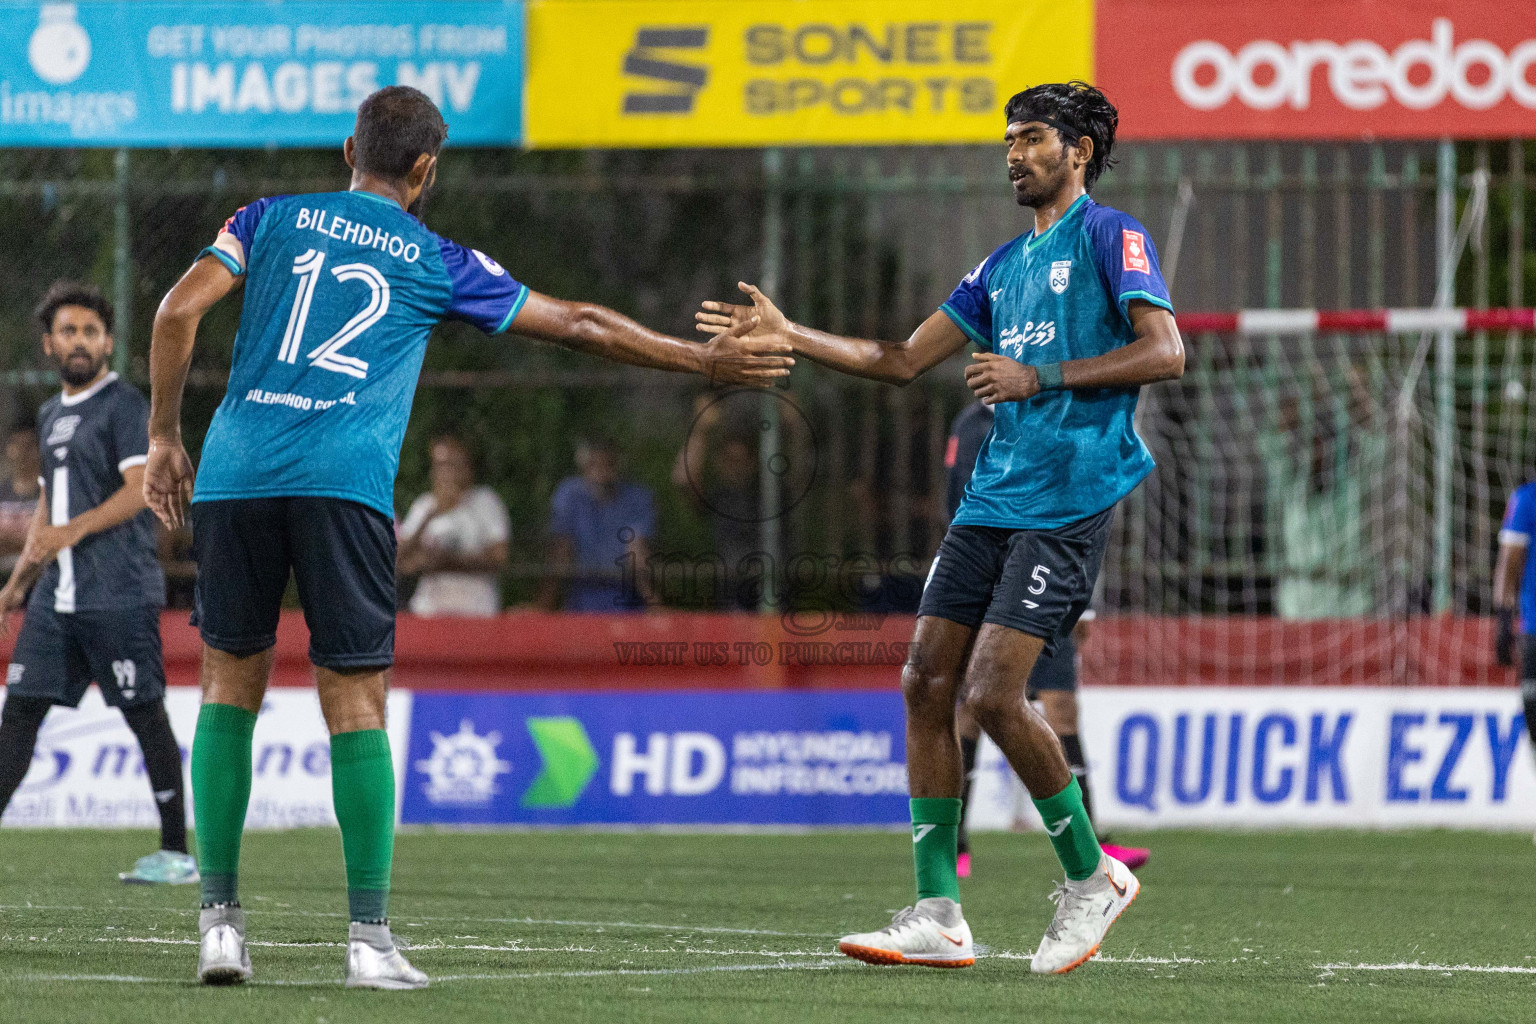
[931, 934]
[374, 961]
[1084, 912]
[221, 955]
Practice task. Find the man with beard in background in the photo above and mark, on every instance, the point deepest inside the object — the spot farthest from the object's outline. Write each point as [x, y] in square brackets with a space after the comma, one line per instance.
[94, 614]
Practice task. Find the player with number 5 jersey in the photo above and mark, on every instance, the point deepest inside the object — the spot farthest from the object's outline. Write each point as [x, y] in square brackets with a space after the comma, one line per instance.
[1072, 318]
[342, 292]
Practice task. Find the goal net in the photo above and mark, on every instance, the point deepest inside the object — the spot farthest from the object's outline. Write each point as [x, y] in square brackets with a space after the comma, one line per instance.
[1326, 506]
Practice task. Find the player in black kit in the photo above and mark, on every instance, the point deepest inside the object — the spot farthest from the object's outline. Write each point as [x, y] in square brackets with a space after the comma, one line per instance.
[94, 613]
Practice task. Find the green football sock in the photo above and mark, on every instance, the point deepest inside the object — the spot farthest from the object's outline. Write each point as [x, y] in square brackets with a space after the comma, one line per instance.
[363, 784]
[221, 789]
[935, 839]
[1066, 819]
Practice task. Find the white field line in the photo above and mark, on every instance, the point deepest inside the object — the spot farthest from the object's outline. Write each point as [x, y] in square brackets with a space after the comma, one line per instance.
[982, 954]
[1098, 958]
[1436, 968]
[817, 965]
[513, 947]
[509, 947]
[407, 920]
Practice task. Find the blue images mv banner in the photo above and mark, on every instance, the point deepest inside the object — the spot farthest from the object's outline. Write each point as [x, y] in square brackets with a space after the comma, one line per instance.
[282, 73]
[688, 757]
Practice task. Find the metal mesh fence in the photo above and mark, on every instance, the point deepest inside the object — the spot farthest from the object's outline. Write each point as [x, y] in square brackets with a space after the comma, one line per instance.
[869, 242]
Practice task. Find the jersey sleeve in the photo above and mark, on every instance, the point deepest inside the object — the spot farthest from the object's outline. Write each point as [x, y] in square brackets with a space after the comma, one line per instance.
[970, 304]
[1127, 259]
[243, 226]
[1519, 518]
[484, 294]
[130, 430]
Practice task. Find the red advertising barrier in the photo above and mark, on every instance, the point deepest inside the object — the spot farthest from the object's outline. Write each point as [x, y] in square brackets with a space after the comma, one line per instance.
[1265, 651]
[680, 650]
[1312, 69]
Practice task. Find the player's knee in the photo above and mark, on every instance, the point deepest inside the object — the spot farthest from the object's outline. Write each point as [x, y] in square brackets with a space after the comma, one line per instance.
[927, 690]
[994, 705]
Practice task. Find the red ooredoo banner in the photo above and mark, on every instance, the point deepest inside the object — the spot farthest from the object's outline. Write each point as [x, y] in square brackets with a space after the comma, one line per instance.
[1412, 69]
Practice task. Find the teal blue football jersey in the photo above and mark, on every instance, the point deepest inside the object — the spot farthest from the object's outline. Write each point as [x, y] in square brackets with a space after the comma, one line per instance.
[342, 291]
[1069, 454]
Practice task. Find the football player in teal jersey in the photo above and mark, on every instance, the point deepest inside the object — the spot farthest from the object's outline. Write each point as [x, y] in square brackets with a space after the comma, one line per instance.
[341, 293]
[1071, 319]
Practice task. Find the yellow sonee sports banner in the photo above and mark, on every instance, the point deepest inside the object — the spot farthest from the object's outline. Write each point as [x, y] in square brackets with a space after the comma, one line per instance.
[791, 72]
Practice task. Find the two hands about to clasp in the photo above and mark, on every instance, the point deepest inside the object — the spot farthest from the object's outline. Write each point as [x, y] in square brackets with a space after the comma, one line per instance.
[992, 377]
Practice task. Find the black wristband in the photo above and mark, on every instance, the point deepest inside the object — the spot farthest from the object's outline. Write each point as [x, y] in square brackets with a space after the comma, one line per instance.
[1049, 376]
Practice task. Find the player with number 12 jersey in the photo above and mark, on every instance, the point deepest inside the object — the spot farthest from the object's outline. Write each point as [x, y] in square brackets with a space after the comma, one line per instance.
[359, 284]
[342, 291]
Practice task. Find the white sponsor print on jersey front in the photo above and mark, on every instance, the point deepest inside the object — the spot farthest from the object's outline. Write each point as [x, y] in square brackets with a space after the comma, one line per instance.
[63, 429]
[1013, 340]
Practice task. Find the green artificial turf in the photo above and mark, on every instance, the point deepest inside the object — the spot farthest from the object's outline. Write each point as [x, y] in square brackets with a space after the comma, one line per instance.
[617, 927]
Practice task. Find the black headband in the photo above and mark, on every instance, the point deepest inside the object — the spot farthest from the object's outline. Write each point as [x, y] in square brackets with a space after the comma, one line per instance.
[1067, 131]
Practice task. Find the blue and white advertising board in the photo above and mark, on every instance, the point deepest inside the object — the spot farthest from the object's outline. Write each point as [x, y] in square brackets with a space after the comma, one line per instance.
[87, 769]
[279, 73]
[796, 758]
[1295, 757]
[1158, 758]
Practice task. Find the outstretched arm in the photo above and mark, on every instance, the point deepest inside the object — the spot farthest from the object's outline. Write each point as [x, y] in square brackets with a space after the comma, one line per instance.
[1156, 354]
[934, 341]
[168, 473]
[731, 358]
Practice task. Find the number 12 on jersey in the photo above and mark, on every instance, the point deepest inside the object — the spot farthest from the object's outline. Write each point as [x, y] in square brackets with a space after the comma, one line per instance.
[327, 355]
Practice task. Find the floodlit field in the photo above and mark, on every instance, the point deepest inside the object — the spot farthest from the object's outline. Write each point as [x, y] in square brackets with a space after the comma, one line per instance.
[580, 926]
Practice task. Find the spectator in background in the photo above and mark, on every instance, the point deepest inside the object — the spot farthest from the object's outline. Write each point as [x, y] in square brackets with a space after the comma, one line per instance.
[1325, 452]
[717, 469]
[600, 533]
[19, 490]
[455, 537]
